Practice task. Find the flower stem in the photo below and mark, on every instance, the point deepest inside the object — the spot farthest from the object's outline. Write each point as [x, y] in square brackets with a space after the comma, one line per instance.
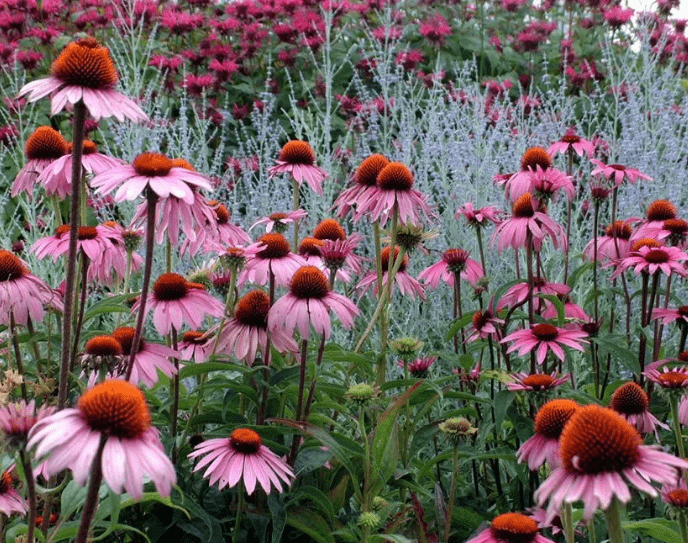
[296, 189]
[673, 402]
[229, 307]
[31, 492]
[17, 355]
[452, 494]
[82, 308]
[77, 151]
[567, 522]
[91, 503]
[239, 513]
[683, 527]
[613, 514]
[151, 200]
[299, 402]
[175, 398]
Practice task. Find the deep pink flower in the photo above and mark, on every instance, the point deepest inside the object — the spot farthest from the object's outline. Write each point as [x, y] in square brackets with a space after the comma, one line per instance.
[544, 445]
[511, 528]
[394, 191]
[619, 172]
[572, 311]
[418, 367]
[274, 258]
[484, 325]
[11, 501]
[543, 338]
[114, 256]
[479, 217]
[518, 293]
[298, 159]
[42, 148]
[598, 448]
[22, 294]
[245, 333]
[242, 457]
[149, 358]
[150, 170]
[656, 215]
[613, 245]
[84, 71]
[175, 301]
[616, 16]
[647, 259]
[536, 382]
[670, 315]
[454, 261]
[525, 222]
[133, 453]
[364, 181]
[339, 254]
[570, 141]
[280, 221]
[308, 304]
[632, 403]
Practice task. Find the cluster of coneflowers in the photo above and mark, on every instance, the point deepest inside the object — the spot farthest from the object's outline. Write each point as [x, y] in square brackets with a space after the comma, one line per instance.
[280, 295]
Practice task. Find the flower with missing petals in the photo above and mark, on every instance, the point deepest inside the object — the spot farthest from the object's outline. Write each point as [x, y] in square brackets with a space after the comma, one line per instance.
[84, 71]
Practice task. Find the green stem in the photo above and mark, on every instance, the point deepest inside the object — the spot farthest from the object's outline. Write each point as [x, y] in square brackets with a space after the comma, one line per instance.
[613, 514]
[296, 188]
[240, 512]
[673, 402]
[31, 492]
[683, 527]
[17, 355]
[452, 494]
[567, 522]
[229, 307]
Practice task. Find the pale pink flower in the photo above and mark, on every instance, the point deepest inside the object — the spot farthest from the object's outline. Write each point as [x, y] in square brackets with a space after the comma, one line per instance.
[309, 250]
[224, 232]
[454, 261]
[408, 286]
[647, 259]
[668, 316]
[245, 333]
[21, 293]
[273, 259]
[511, 528]
[114, 257]
[175, 302]
[618, 172]
[669, 378]
[280, 221]
[196, 346]
[545, 184]
[151, 170]
[656, 215]
[632, 403]
[42, 148]
[11, 501]
[543, 338]
[298, 159]
[149, 358]
[364, 181]
[338, 254]
[598, 449]
[683, 411]
[518, 293]
[479, 217]
[525, 222]
[570, 141]
[676, 494]
[56, 178]
[394, 191]
[70, 438]
[242, 457]
[535, 163]
[544, 445]
[308, 305]
[92, 240]
[613, 245]
[84, 71]
[16, 419]
[536, 382]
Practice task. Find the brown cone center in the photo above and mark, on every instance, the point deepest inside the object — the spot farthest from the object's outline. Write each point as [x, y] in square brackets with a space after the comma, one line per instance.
[117, 408]
[85, 63]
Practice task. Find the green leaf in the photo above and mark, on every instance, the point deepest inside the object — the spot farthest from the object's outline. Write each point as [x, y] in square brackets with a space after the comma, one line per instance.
[458, 324]
[318, 498]
[658, 528]
[395, 538]
[111, 304]
[279, 516]
[199, 369]
[310, 523]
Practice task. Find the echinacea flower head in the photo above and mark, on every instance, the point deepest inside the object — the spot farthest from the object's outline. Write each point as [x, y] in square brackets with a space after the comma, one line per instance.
[613, 245]
[511, 528]
[618, 173]
[657, 213]
[518, 293]
[298, 159]
[84, 71]
[533, 160]
[42, 148]
[176, 301]
[456, 428]
[149, 358]
[279, 222]
[242, 457]
[340, 253]
[600, 452]
[329, 229]
[669, 378]
[571, 141]
[154, 171]
[364, 181]
[102, 354]
[484, 325]
[454, 262]
[544, 445]
[527, 223]
[21, 293]
[17, 419]
[274, 258]
[678, 315]
[11, 501]
[676, 496]
[420, 367]
[543, 338]
[245, 333]
[408, 285]
[651, 258]
[394, 190]
[116, 409]
[536, 382]
[479, 217]
[632, 403]
[362, 393]
[308, 305]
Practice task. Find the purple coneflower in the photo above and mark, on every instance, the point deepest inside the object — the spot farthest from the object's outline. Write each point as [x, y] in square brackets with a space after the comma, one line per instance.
[419, 367]
[479, 217]
[84, 71]
[196, 346]
[149, 358]
[619, 172]
[632, 403]
[454, 261]
[408, 286]
[274, 258]
[11, 501]
[364, 181]
[613, 245]
[518, 293]
[484, 325]
[544, 338]
[17, 419]
[536, 382]
[42, 148]
[116, 409]
[242, 457]
[511, 528]
[654, 258]
[279, 221]
[298, 159]
[570, 141]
